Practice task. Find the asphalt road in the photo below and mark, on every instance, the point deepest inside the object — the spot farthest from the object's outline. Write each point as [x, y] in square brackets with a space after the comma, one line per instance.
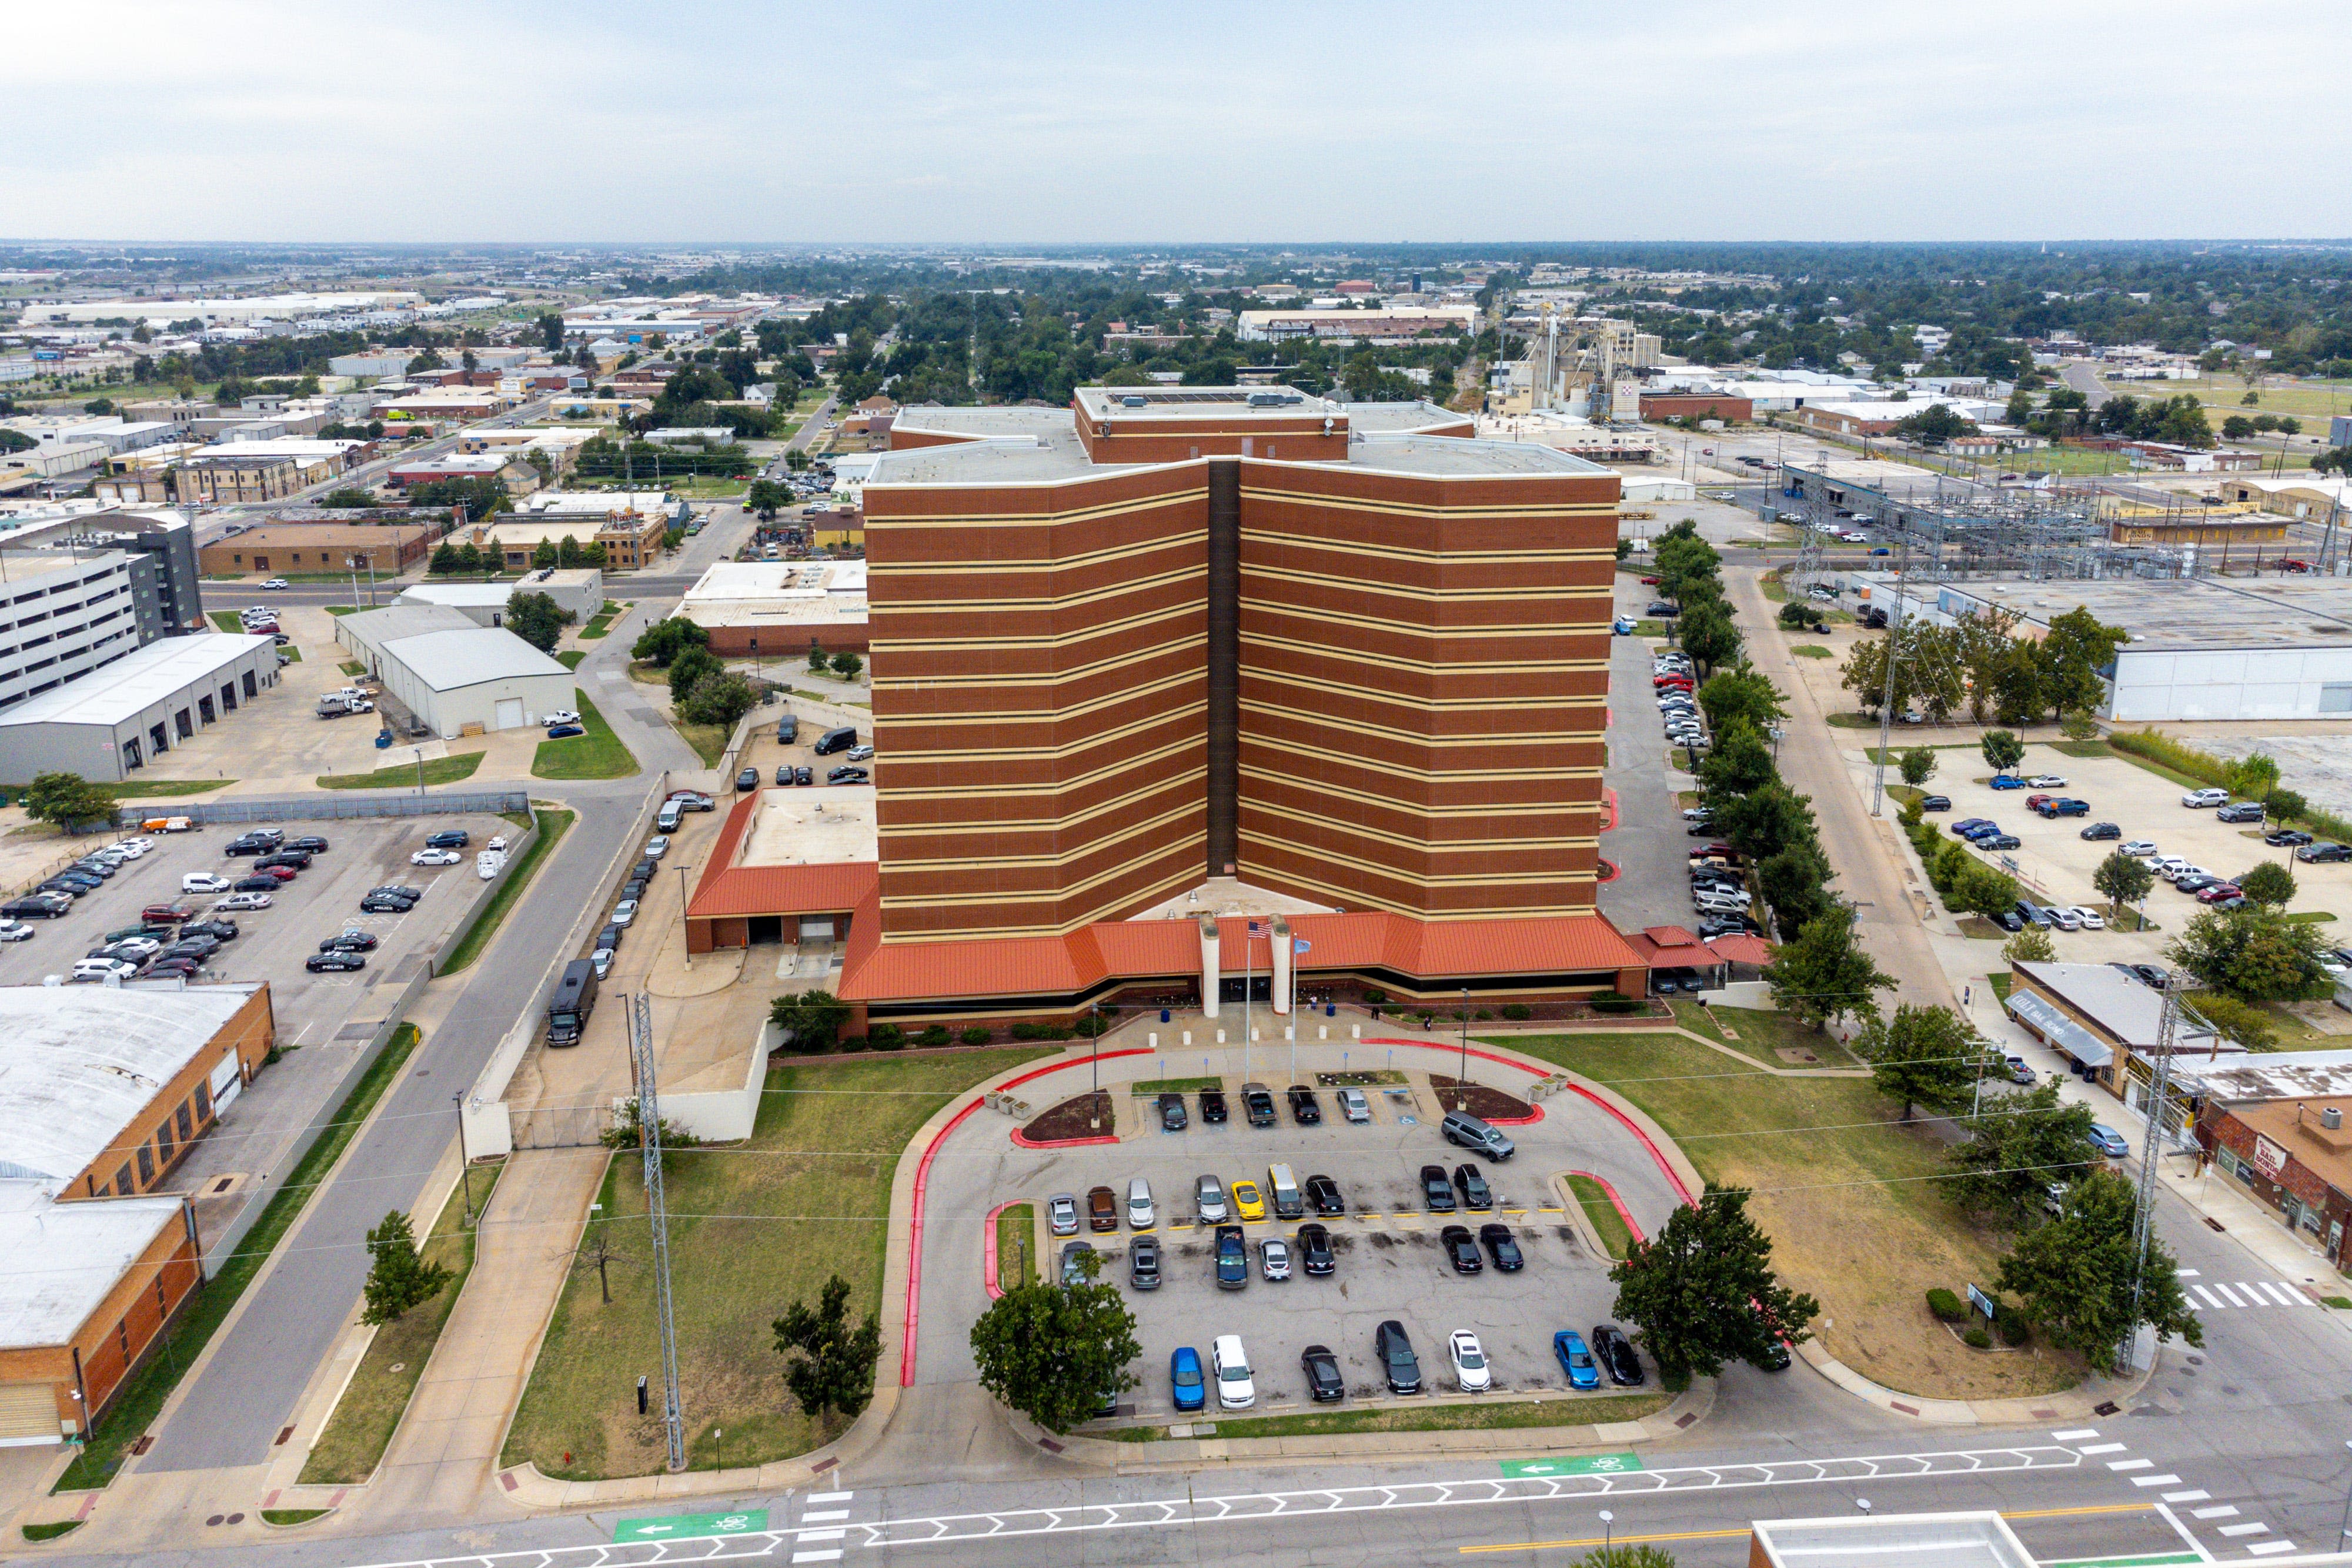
[1648, 846]
[2085, 379]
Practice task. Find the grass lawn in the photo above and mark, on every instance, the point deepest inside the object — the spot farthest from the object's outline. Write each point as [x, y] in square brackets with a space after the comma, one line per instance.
[1473, 1416]
[403, 775]
[598, 754]
[553, 823]
[826, 1144]
[1175, 1085]
[602, 622]
[1607, 1223]
[1848, 1196]
[709, 741]
[285, 1517]
[343, 610]
[1775, 587]
[51, 1531]
[147, 788]
[360, 1428]
[570, 658]
[1016, 1242]
[353, 667]
[1851, 721]
[1762, 1033]
[1650, 628]
[228, 620]
[2310, 916]
[1810, 651]
[2001, 983]
[137, 1403]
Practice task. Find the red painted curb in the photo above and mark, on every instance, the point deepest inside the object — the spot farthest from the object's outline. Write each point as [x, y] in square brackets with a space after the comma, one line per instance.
[1022, 1139]
[922, 1193]
[1626, 1122]
[988, 1249]
[1622, 1212]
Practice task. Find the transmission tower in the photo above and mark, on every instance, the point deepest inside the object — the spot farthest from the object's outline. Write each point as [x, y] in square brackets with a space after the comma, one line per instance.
[2159, 1106]
[641, 1046]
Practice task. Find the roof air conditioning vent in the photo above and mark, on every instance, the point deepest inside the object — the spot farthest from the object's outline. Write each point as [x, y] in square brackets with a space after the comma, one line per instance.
[2332, 1118]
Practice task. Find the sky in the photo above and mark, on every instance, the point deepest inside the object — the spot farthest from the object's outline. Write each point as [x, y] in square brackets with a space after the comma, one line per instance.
[1005, 124]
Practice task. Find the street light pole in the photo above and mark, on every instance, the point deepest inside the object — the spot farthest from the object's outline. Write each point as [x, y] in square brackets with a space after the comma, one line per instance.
[465, 1169]
[1461, 1073]
[685, 932]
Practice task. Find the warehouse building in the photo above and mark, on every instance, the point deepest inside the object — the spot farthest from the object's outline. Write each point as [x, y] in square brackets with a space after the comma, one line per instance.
[103, 1091]
[455, 676]
[389, 547]
[129, 712]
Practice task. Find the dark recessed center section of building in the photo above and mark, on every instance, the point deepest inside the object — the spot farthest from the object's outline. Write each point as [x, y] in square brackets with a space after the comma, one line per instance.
[1225, 661]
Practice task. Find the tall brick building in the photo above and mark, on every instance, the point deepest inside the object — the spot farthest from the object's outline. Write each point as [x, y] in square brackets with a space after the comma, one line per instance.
[1342, 657]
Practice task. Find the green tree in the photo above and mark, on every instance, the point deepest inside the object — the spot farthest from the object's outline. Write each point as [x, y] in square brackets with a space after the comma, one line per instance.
[1934, 425]
[2031, 946]
[2249, 1025]
[550, 332]
[1707, 635]
[720, 698]
[2286, 806]
[2125, 879]
[847, 665]
[444, 559]
[689, 667]
[67, 799]
[832, 1365]
[1982, 889]
[2071, 656]
[1919, 765]
[1768, 820]
[1702, 1291]
[1823, 973]
[816, 1018]
[1794, 881]
[766, 497]
[1741, 693]
[665, 640]
[568, 554]
[428, 360]
[542, 555]
[2074, 1276]
[2253, 953]
[349, 497]
[820, 663]
[2268, 883]
[1739, 764]
[2255, 775]
[2237, 427]
[1922, 1056]
[1053, 1352]
[1797, 615]
[471, 558]
[398, 1277]
[537, 619]
[1636, 1556]
[2002, 749]
[2020, 1144]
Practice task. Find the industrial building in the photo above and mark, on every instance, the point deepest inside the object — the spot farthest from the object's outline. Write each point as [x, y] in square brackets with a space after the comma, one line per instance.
[83, 590]
[779, 609]
[133, 707]
[103, 1091]
[1177, 683]
[389, 548]
[454, 676]
[580, 589]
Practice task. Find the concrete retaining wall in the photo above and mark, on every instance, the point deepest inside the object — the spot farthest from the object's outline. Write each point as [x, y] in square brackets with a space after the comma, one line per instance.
[332, 806]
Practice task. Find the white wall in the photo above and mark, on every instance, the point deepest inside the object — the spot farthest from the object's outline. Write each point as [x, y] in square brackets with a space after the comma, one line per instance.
[449, 711]
[2232, 683]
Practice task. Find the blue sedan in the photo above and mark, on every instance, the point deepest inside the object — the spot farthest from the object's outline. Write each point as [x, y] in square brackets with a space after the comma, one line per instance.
[1576, 1361]
[2109, 1142]
[1185, 1375]
[2007, 781]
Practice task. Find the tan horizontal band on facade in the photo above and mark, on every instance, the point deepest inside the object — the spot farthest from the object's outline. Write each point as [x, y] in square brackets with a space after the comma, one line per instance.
[1358, 898]
[1038, 603]
[1193, 537]
[1001, 753]
[1052, 786]
[1143, 899]
[965, 643]
[1251, 803]
[1521, 512]
[1383, 868]
[1324, 787]
[1273, 674]
[1071, 675]
[1190, 778]
[1355, 551]
[1520, 595]
[1184, 675]
[1356, 729]
[1158, 501]
[1067, 856]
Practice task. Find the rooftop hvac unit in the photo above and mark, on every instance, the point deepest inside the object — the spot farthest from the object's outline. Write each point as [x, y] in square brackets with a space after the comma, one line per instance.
[2332, 1118]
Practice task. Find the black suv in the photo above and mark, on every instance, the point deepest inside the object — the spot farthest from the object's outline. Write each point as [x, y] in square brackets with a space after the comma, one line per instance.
[2103, 830]
[1303, 1107]
[1323, 1195]
[1394, 1347]
[1213, 1107]
[1475, 1193]
[1436, 1191]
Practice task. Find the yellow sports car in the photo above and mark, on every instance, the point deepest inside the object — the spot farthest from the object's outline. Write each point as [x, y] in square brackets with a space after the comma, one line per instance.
[1247, 1202]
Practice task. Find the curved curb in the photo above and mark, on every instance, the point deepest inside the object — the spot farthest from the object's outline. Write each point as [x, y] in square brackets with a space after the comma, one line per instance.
[2078, 1402]
[988, 1249]
[1623, 1213]
[1022, 1139]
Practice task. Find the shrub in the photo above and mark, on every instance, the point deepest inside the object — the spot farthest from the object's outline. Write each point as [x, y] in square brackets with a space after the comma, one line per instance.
[1484, 1015]
[1977, 1339]
[1375, 995]
[976, 1035]
[1910, 815]
[886, 1036]
[1517, 1011]
[1614, 1002]
[933, 1037]
[1025, 1030]
[1090, 1027]
[1051, 1031]
[2015, 1331]
[850, 1043]
[1948, 1307]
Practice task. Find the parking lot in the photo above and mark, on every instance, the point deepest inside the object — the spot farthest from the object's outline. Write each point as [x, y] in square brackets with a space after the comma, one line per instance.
[311, 1011]
[1388, 1259]
[2054, 861]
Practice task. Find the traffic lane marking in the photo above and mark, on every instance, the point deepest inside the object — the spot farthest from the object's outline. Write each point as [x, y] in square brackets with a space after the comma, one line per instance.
[2223, 1511]
[1726, 1534]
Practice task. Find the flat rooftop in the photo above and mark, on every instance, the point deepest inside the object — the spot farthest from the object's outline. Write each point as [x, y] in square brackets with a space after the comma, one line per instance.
[1224, 405]
[2192, 612]
[67, 1258]
[1052, 453]
[827, 825]
[140, 678]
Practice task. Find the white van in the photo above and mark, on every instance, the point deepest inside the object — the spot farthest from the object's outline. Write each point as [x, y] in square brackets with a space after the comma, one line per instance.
[1139, 1216]
[1281, 1187]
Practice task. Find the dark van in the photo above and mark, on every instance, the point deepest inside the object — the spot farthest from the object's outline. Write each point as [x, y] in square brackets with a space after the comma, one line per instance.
[835, 740]
[574, 1000]
[788, 729]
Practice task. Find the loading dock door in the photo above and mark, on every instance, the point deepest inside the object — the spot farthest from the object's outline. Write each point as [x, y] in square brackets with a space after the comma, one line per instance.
[28, 1414]
[510, 713]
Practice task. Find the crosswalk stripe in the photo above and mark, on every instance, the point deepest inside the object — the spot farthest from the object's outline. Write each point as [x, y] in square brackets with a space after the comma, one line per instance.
[2230, 1294]
[2186, 1275]
[2218, 1511]
[832, 1556]
[2209, 1299]
[2187, 1496]
[823, 1516]
[817, 1496]
[2156, 1480]
[2270, 1548]
[2252, 1527]
[837, 1533]
[2076, 1435]
[2132, 1464]
[2287, 1296]
[2106, 1447]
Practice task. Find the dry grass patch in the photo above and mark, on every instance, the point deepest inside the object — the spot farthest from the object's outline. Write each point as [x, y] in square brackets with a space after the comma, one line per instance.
[1847, 1194]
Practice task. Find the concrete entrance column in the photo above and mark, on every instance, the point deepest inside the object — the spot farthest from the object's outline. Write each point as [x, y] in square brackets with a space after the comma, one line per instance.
[1281, 946]
[1208, 966]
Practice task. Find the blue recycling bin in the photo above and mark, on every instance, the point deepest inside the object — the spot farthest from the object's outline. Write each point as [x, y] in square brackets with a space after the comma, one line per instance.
[1163, 1015]
[384, 740]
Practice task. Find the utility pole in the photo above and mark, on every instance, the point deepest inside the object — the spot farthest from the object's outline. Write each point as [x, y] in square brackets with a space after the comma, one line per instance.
[2160, 1103]
[1461, 1073]
[1886, 697]
[641, 1043]
[464, 1167]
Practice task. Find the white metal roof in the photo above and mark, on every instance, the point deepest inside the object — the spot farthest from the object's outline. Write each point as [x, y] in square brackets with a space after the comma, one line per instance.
[82, 1061]
[137, 681]
[454, 593]
[66, 1256]
[447, 660]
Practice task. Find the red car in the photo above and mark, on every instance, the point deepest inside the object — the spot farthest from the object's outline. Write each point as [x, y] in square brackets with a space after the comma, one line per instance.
[282, 872]
[2219, 892]
[1649, 582]
[2031, 801]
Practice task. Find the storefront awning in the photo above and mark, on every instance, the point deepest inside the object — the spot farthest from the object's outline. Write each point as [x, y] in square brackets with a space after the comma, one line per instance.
[2062, 1033]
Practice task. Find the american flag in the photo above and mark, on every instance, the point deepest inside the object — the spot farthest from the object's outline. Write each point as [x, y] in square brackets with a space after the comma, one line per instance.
[1260, 928]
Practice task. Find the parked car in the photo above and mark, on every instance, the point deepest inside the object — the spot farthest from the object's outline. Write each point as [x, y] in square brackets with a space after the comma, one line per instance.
[748, 779]
[1213, 1107]
[2098, 831]
[692, 801]
[203, 882]
[1472, 1186]
[2018, 1069]
[374, 903]
[2064, 806]
[1249, 1202]
[1143, 1263]
[1502, 1245]
[1315, 1248]
[449, 839]
[1968, 825]
[625, 913]
[318, 963]
[1274, 1256]
[1140, 1215]
[1257, 1104]
[1171, 1113]
[238, 902]
[1233, 1258]
[2108, 1141]
[1354, 1106]
[846, 775]
[345, 942]
[2196, 797]
[1398, 1365]
[2046, 781]
[1575, 1361]
[1305, 1111]
[1617, 1356]
[1184, 1379]
[1325, 1385]
[1323, 1195]
[2315, 854]
[1935, 803]
[1073, 1256]
[1471, 1373]
[2089, 918]
[2007, 781]
[1230, 1362]
[1062, 1214]
[1461, 1250]
[435, 857]
[14, 931]
[2239, 811]
[1209, 1201]
[1436, 1190]
[2000, 842]
[2221, 892]
[1102, 1209]
[2287, 839]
